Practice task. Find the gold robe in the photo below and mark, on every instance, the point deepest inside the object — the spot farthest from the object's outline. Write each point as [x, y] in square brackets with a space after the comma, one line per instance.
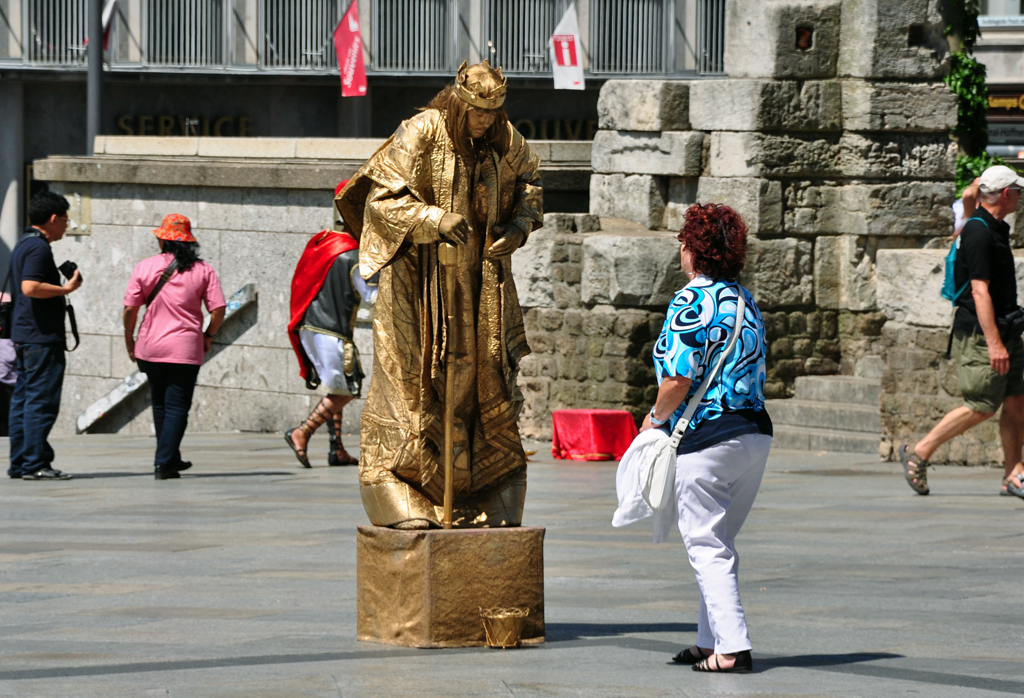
[394, 204]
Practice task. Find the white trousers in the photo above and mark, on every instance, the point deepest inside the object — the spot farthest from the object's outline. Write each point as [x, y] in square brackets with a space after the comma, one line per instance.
[715, 489]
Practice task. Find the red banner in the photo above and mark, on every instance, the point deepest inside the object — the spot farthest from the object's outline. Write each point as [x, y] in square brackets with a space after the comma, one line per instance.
[348, 43]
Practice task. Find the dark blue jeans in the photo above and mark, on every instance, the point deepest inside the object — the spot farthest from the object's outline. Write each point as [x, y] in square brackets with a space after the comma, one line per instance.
[171, 386]
[34, 406]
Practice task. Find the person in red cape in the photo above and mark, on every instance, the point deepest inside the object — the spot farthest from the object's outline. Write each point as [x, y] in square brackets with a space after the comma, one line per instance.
[326, 292]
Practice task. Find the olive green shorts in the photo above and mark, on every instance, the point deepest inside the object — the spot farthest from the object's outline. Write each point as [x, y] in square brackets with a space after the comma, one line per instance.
[983, 388]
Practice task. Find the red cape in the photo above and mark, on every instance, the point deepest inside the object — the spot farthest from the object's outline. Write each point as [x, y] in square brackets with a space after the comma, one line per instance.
[310, 273]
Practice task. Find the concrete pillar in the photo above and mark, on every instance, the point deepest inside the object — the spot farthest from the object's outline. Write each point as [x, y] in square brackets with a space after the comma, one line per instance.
[354, 116]
[12, 169]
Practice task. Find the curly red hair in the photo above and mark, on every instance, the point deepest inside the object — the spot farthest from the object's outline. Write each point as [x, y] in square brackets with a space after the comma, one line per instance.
[716, 237]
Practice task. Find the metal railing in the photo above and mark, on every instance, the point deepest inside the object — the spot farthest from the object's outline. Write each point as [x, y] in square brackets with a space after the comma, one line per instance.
[56, 31]
[711, 37]
[185, 33]
[299, 33]
[516, 33]
[630, 36]
[623, 37]
[413, 35]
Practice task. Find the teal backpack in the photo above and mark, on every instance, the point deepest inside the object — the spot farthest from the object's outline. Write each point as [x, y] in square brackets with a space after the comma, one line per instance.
[949, 290]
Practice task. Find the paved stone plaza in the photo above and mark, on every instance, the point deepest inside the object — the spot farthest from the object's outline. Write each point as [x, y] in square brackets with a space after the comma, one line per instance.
[239, 580]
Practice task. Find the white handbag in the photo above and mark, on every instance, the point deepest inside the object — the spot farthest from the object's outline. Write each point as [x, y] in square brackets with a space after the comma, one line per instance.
[658, 474]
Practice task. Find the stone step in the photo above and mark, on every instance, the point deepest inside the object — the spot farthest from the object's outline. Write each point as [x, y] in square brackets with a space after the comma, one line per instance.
[826, 415]
[839, 389]
[811, 439]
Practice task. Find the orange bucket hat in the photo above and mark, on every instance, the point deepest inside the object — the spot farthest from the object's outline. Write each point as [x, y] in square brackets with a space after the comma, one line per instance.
[175, 228]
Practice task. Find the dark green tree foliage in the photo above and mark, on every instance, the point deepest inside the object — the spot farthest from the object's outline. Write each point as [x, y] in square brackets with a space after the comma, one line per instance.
[969, 167]
[966, 79]
[962, 23]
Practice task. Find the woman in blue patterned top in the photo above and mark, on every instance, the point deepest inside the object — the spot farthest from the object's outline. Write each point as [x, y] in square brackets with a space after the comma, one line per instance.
[722, 455]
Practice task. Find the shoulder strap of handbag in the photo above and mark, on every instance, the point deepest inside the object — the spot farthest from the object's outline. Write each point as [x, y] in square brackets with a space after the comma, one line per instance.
[165, 276]
[691, 407]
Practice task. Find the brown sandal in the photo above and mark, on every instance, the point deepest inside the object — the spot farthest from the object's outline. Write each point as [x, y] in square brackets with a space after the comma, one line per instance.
[915, 470]
[300, 453]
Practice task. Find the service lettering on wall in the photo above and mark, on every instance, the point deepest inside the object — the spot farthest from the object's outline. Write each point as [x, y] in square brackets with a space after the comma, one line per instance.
[557, 129]
[165, 125]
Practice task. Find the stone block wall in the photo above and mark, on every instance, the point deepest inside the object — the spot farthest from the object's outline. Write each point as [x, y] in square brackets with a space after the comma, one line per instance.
[919, 384]
[594, 293]
[249, 236]
[830, 137]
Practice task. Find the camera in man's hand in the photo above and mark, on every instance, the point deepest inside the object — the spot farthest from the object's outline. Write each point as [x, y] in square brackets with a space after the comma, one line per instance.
[68, 269]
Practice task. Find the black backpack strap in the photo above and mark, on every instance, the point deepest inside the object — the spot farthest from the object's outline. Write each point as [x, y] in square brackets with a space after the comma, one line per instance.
[165, 276]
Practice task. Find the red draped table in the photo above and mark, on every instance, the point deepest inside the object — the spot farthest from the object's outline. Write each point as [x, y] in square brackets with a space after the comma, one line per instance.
[591, 434]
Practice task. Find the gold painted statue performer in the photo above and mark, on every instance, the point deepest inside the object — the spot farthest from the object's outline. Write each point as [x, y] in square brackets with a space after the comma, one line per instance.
[457, 173]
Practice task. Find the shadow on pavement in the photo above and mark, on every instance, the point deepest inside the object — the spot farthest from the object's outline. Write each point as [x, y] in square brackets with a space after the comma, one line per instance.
[149, 474]
[562, 632]
[810, 661]
[858, 664]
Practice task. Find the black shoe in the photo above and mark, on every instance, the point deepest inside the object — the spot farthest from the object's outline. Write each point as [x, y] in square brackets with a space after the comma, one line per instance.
[46, 473]
[165, 472]
[183, 465]
[16, 476]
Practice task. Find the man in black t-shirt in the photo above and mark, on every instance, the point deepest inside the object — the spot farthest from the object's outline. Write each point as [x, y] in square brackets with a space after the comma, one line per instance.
[987, 347]
[37, 329]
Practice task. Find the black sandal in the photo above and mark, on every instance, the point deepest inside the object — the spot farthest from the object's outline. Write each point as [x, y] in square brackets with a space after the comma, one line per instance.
[688, 657]
[300, 453]
[334, 459]
[744, 664]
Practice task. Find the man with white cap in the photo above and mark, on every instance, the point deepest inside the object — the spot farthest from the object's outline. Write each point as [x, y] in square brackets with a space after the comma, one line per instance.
[987, 330]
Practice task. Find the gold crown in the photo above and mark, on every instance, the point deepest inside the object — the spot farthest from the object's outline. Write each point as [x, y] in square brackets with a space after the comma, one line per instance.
[481, 86]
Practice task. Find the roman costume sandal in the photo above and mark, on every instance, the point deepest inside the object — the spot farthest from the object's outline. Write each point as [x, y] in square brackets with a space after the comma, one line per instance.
[688, 657]
[310, 424]
[915, 470]
[341, 457]
[744, 664]
[337, 455]
[300, 453]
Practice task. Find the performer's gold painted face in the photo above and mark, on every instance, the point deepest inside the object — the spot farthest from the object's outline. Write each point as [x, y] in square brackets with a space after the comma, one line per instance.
[479, 120]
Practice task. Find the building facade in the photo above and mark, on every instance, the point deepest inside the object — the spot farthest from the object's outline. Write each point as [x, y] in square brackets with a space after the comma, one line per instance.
[267, 68]
[1001, 50]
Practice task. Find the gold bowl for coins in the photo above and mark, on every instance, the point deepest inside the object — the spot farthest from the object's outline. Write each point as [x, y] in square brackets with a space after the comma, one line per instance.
[504, 626]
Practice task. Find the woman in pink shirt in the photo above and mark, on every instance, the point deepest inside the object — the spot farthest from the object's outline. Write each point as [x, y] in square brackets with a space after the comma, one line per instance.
[173, 286]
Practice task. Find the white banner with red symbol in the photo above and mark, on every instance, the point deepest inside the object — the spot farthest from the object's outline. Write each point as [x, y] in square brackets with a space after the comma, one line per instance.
[348, 43]
[567, 52]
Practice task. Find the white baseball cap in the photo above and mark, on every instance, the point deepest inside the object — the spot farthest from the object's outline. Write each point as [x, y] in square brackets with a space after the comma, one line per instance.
[999, 177]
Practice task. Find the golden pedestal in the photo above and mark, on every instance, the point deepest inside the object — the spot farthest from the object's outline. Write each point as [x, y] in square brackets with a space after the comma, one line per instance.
[426, 588]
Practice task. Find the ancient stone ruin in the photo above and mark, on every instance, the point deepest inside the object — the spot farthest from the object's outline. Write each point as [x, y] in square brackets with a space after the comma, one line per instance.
[829, 135]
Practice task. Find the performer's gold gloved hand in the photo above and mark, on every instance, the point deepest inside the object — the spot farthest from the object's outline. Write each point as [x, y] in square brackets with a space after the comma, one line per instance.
[511, 239]
[454, 228]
